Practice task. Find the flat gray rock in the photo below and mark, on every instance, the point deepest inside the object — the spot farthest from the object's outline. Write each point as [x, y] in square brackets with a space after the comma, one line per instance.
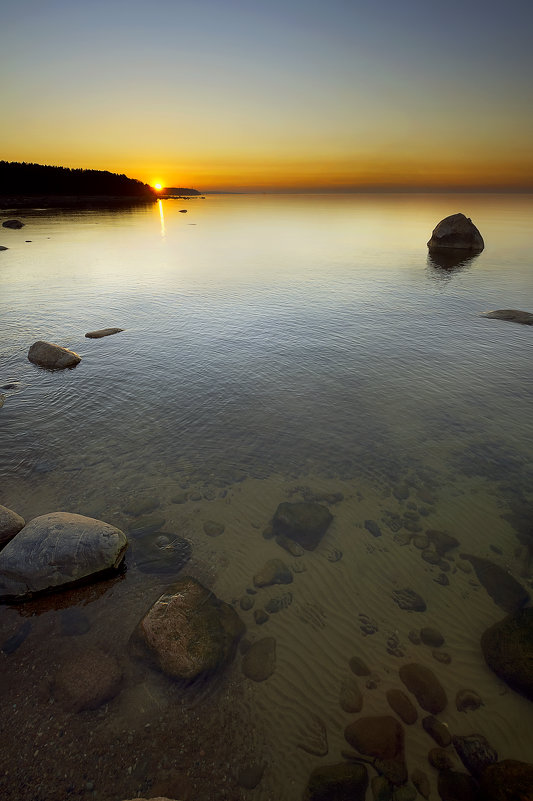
[54, 357]
[457, 232]
[103, 332]
[510, 315]
[58, 549]
[10, 524]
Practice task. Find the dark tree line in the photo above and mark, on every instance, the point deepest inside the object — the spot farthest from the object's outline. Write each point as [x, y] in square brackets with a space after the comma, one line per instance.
[20, 178]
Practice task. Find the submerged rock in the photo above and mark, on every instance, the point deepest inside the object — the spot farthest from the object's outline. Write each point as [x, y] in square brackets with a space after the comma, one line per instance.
[507, 781]
[425, 686]
[438, 730]
[475, 753]
[455, 786]
[103, 332]
[409, 599]
[259, 661]
[458, 232]
[511, 315]
[56, 550]
[342, 782]
[189, 632]
[15, 224]
[504, 590]
[402, 705]
[508, 650]
[381, 737]
[54, 357]
[273, 572]
[306, 523]
[87, 680]
[466, 700]
[161, 554]
[10, 524]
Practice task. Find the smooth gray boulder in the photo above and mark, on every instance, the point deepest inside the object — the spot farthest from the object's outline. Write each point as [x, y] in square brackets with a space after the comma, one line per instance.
[10, 524]
[13, 224]
[510, 315]
[457, 232]
[46, 354]
[56, 550]
[103, 332]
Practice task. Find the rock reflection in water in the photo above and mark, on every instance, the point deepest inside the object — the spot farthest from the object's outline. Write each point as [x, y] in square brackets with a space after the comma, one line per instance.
[443, 263]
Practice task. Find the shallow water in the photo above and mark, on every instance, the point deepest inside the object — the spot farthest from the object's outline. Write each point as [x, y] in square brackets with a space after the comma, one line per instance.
[273, 346]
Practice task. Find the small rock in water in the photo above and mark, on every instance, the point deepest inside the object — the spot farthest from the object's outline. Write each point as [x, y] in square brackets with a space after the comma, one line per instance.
[53, 357]
[414, 637]
[467, 700]
[367, 624]
[401, 491]
[274, 572]
[402, 705]
[381, 737]
[455, 786]
[440, 759]
[504, 590]
[351, 698]
[442, 657]
[213, 529]
[246, 602]
[334, 555]
[456, 232]
[358, 666]
[431, 557]
[250, 776]
[425, 686]
[431, 637]
[14, 224]
[345, 781]
[373, 528]
[442, 579]
[409, 599]
[510, 315]
[86, 680]
[314, 738]
[103, 332]
[421, 782]
[306, 523]
[438, 730]
[289, 545]
[277, 604]
[442, 541]
[15, 641]
[259, 661]
[475, 753]
[261, 617]
[180, 497]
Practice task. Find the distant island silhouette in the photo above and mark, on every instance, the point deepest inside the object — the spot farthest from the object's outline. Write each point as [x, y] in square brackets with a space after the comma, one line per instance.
[22, 184]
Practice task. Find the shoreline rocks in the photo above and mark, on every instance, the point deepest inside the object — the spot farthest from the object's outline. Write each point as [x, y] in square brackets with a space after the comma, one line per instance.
[10, 524]
[56, 550]
[53, 357]
[458, 232]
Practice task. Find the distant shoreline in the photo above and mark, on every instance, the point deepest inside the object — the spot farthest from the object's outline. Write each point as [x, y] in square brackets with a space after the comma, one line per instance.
[72, 201]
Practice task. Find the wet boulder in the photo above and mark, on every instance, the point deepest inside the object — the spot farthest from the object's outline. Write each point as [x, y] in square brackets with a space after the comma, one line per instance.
[457, 232]
[103, 332]
[508, 650]
[10, 524]
[475, 752]
[425, 686]
[381, 737]
[189, 632]
[342, 782]
[56, 550]
[510, 315]
[303, 522]
[53, 357]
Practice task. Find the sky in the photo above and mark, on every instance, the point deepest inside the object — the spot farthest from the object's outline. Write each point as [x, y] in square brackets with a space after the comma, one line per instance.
[284, 95]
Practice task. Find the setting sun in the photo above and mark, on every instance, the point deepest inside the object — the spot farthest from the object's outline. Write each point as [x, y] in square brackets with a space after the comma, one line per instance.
[158, 187]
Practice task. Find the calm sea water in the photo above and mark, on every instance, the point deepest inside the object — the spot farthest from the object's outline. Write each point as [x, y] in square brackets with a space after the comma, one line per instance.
[269, 342]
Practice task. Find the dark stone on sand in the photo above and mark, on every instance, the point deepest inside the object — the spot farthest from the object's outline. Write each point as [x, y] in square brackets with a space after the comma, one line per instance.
[382, 789]
[402, 705]
[401, 491]
[56, 550]
[442, 579]
[414, 637]
[438, 730]
[441, 656]
[180, 497]
[246, 602]
[86, 680]
[3, 247]
[431, 637]
[261, 617]
[440, 759]
[421, 782]
[373, 528]
[346, 781]
[511, 315]
[359, 667]
[508, 780]
[351, 697]
[425, 686]
[53, 357]
[409, 599]
[189, 632]
[273, 572]
[457, 232]
[475, 753]
[467, 700]
[442, 541]
[381, 737]
[306, 523]
[431, 557]
[455, 786]
[161, 554]
[250, 776]
[508, 650]
[103, 332]
[15, 224]
[259, 661]
[10, 524]
[14, 642]
[504, 590]
[213, 529]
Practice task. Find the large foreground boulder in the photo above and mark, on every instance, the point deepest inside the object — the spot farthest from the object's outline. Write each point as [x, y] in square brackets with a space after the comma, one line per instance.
[458, 232]
[189, 632]
[303, 522]
[508, 650]
[10, 524]
[54, 357]
[58, 549]
[510, 315]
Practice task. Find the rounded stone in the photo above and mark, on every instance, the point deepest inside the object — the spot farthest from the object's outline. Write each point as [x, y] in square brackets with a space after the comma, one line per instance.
[381, 737]
[507, 780]
[213, 529]
[467, 700]
[458, 232]
[273, 572]
[402, 705]
[53, 357]
[87, 680]
[425, 686]
[103, 332]
[343, 782]
[304, 522]
[14, 224]
[431, 637]
[437, 730]
[10, 524]
[351, 698]
[58, 549]
[259, 661]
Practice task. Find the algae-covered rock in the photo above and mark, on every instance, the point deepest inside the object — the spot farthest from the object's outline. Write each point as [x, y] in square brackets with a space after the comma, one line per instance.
[189, 632]
[304, 522]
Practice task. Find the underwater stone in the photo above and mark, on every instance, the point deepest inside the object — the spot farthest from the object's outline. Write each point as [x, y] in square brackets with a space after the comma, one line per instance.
[306, 523]
[425, 686]
[103, 332]
[381, 737]
[259, 661]
[475, 753]
[504, 590]
[508, 650]
[273, 572]
[402, 705]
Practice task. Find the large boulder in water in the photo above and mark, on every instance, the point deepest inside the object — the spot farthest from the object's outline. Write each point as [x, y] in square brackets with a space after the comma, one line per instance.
[58, 549]
[10, 524]
[189, 632]
[303, 522]
[508, 650]
[457, 232]
[54, 357]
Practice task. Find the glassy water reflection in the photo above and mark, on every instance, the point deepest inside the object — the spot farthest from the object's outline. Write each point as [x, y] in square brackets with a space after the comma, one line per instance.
[275, 348]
